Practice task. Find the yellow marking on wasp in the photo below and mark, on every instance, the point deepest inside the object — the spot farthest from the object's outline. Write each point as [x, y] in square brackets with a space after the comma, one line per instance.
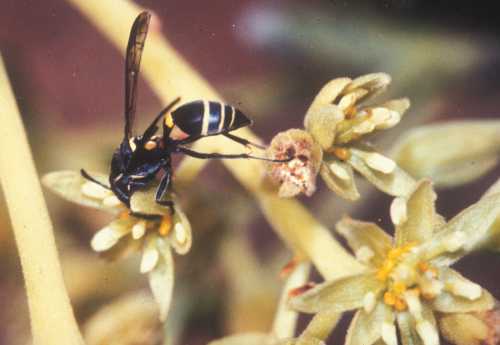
[150, 145]
[222, 116]
[233, 115]
[132, 144]
[169, 122]
[206, 117]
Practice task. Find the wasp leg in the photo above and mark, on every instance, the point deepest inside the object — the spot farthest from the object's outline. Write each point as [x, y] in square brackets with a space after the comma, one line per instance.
[145, 216]
[203, 155]
[162, 189]
[87, 176]
[242, 141]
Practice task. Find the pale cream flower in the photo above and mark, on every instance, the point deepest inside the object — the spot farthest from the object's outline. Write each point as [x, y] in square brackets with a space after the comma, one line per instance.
[154, 236]
[408, 281]
[337, 124]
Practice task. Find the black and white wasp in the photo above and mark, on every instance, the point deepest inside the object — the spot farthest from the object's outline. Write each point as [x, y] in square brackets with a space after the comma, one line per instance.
[138, 159]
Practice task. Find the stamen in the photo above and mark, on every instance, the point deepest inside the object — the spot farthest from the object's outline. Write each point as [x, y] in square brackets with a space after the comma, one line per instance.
[93, 190]
[139, 229]
[369, 302]
[380, 163]
[341, 153]
[150, 257]
[398, 211]
[180, 233]
[389, 333]
[165, 226]
[427, 333]
[364, 254]
[339, 171]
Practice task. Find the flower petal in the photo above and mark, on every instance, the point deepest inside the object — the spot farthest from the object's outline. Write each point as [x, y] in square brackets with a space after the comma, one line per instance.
[477, 223]
[71, 186]
[337, 295]
[463, 329]
[329, 93]
[396, 183]
[181, 236]
[374, 83]
[150, 255]
[161, 280]
[462, 295]
[364, 234]
[321, 123]
[344, 187]
[421, 215]
[450, 154]
[366, 328]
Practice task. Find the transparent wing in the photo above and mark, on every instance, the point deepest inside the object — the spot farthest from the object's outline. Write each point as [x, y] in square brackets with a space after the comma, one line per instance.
[135, 46]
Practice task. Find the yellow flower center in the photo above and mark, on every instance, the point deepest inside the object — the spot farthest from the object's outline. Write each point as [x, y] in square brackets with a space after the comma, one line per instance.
[393, 257]
[400, 285]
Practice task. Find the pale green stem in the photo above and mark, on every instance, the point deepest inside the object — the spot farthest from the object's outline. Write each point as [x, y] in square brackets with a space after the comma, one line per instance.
[52, 319]
[285, 319]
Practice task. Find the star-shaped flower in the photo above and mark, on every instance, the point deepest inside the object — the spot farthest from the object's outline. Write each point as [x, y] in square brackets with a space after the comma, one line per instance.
[334, 143]
[154, 235]
[408, 280]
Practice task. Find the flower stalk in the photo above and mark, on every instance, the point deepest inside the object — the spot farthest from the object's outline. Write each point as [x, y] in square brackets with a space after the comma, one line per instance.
[52, 318]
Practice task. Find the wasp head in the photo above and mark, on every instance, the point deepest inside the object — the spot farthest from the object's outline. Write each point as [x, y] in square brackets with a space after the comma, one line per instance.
[134, 165]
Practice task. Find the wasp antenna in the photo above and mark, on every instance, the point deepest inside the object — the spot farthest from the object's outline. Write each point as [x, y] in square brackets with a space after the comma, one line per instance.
[92, 179]
[148, 133]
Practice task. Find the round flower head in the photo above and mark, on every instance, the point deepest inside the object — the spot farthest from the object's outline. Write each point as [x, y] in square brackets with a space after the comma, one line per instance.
[408, 281]
[338, 123]
[147, 227]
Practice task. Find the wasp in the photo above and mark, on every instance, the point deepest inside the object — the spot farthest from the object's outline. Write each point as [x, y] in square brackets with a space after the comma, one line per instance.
[139, 158]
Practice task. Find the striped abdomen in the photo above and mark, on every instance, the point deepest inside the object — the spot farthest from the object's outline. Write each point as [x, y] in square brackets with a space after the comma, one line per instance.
[203, 118]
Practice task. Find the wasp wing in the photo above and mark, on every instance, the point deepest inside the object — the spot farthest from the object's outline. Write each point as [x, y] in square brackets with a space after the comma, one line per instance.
[135, 46]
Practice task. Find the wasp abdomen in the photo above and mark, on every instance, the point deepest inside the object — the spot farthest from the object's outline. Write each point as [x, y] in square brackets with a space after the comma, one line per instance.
[203, 118]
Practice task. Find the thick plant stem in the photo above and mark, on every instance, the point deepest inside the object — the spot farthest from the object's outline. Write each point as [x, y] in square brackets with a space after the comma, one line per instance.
[52, 319]
[170, 76]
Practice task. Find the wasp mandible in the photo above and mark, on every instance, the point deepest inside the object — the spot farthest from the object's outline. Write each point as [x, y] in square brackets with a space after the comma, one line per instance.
[139, 158]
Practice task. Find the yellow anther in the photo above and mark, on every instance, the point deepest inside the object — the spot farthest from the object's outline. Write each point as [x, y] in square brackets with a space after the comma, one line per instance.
[394, 253]
[390, 298]
[423, 266]
[385, 270]
[124, 215]
[169, 122]
[400, 304]
[341, 153]
[399, 288]
[165, 226]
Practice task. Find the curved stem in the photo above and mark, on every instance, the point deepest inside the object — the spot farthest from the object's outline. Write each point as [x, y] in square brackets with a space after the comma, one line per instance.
[52, 319]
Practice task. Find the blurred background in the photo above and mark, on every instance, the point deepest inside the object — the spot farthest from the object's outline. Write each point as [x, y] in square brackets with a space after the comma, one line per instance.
[269, 58]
